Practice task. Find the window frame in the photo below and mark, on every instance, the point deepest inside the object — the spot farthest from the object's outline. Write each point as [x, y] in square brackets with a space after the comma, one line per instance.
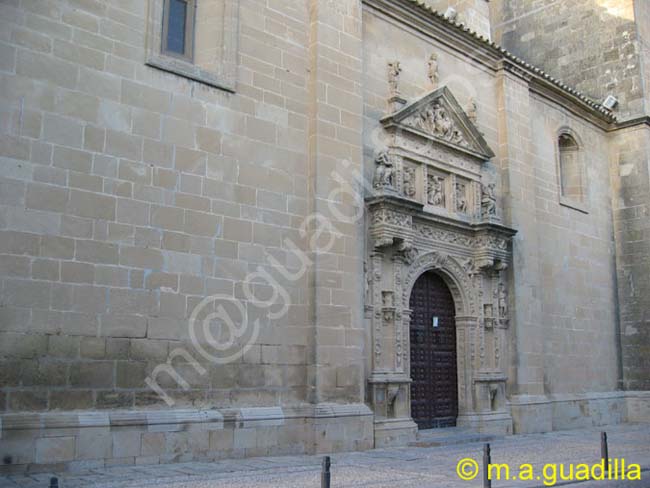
[190, 25]
[564, 199]
[224, 74]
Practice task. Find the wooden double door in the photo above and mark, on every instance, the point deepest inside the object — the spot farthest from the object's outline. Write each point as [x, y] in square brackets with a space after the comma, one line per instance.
[434, 390]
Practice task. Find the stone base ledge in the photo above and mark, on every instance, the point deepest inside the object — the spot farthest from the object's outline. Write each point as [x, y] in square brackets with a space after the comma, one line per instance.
[394, 432]
[545, 413]
[499, 423]
[70, 441]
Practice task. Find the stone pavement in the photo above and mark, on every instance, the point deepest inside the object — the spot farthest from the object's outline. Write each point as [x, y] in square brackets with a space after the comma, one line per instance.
[408, 467]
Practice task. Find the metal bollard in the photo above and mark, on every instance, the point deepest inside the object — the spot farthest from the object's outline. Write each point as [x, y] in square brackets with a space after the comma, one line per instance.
[326, 475]
[54, 482]
[487, 460]
[604, 450]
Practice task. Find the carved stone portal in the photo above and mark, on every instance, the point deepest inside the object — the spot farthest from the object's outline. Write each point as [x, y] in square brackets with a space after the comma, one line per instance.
[441, 219]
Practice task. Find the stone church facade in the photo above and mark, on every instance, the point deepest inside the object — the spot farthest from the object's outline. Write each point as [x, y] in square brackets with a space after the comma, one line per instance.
[254, 227]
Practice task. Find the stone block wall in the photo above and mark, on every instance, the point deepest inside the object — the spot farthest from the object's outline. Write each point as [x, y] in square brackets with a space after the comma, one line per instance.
[630, 174]
[592, 45]
[473, 13]
[601, 48]
[129, 194]
[577, 266]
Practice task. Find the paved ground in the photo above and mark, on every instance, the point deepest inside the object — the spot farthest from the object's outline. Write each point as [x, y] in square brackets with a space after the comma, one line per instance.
[421, 467]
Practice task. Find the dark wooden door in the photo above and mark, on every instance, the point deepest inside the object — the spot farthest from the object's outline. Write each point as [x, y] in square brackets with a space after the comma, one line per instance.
[434, 391]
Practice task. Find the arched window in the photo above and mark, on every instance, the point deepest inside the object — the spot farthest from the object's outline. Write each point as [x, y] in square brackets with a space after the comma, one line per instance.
[572, 173]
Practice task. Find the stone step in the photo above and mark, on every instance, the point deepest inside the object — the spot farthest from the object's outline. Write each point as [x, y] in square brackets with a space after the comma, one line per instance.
[451, 436]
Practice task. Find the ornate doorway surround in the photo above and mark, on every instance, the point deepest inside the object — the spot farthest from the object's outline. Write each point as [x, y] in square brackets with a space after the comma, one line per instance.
[433, 208]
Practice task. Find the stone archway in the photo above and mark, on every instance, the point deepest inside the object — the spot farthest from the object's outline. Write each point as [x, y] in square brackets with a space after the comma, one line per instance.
[461, 278]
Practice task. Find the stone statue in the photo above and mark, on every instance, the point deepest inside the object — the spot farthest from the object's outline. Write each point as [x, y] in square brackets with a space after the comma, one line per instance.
[503, 301]
[384, 172]
[436, 192]
[472, 111]
[394, 70]
[461, 198]
[432, 72]
[368, 288]
[488, 200]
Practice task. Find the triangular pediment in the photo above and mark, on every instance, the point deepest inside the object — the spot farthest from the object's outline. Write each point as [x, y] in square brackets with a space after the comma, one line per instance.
[438, 116]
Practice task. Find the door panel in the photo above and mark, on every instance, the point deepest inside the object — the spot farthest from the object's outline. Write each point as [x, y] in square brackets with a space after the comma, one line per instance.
[434, 391]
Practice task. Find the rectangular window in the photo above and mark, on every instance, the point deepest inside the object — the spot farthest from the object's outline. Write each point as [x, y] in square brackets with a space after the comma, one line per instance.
[178, 28]
[196, 39]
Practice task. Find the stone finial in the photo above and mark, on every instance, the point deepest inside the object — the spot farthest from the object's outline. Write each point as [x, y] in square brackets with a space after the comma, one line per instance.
[432, 72]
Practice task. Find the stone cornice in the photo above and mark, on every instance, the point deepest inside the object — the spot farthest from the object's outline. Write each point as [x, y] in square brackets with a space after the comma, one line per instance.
[634, 122]
[476, 47]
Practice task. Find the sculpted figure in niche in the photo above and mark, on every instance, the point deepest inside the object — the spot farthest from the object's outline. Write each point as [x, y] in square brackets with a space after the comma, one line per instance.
[488, 200]
[409, 182]
[436, 191]
[461, 198]
[384, 172]
[394, 70]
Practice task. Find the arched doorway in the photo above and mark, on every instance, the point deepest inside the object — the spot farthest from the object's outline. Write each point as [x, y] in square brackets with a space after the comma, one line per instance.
[434, 387]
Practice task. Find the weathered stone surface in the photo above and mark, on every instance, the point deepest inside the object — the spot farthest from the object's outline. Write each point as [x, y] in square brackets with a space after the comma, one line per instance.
[131, 191]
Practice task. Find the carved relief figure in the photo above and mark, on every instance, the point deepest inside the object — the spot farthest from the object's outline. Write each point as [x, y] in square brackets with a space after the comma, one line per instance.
[488, 200]
[410, 255]
[394, 70]
[457, 137]
[432, 72]
[436, 120]
[409, 182]
[461, 198]
[442, 125]
[384, 173]
[436, 191]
